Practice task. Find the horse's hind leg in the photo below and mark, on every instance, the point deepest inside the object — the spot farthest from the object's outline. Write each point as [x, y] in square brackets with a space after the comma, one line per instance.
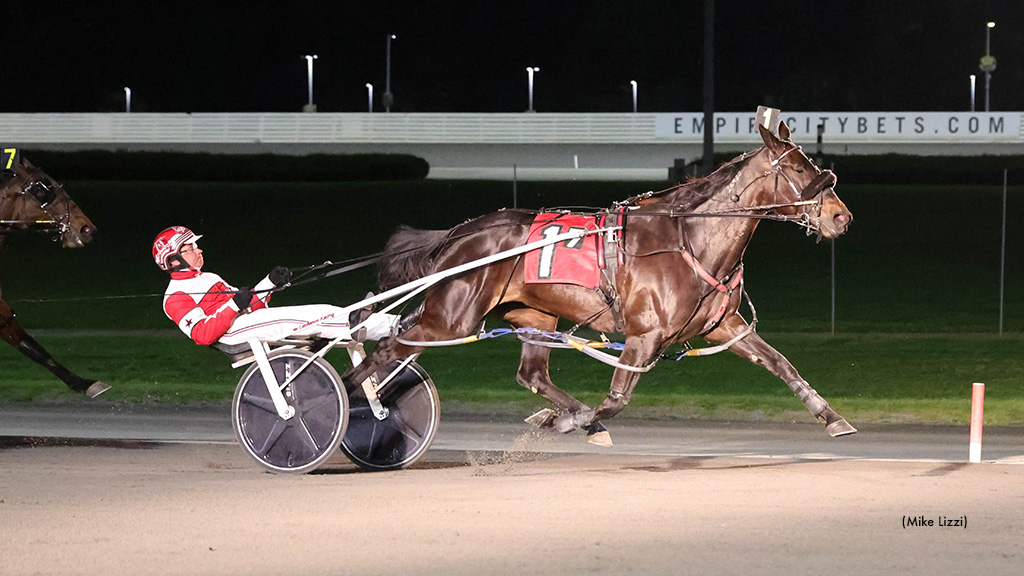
[12, 333]
[756, 350]
[533, 371]
[639, 351]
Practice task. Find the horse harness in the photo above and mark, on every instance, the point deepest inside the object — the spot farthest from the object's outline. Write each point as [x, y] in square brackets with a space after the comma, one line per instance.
[610, 259]
[43, 192]
[809, 195]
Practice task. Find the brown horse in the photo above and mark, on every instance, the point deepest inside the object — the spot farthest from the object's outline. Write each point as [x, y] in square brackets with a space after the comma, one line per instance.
[680, 278]
[31, 200]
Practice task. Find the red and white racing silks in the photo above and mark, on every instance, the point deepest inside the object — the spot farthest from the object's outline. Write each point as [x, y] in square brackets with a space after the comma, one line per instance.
[200, 303]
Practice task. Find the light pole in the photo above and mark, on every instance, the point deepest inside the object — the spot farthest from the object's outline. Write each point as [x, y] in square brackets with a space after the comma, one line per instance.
[369, 96]
[127, 99]
[310, 107]
[529, 71]
[633, 82]
[973, 78]
[389, 98]
[988, 62]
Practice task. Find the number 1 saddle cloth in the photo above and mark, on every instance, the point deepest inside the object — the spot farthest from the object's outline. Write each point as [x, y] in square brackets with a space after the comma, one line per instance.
[575, 261]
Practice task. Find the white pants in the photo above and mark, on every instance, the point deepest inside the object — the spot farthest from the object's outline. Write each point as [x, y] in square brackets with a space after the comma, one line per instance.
[321, 320]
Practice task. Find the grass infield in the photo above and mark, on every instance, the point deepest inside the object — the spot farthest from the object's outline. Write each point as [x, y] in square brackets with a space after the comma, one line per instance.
[916, 310]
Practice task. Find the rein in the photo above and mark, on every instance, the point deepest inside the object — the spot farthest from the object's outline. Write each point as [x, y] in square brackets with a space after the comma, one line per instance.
[809, 196]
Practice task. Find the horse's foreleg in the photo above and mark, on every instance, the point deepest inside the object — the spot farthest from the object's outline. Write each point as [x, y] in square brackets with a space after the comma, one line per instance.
[756, 350]
[12, 333]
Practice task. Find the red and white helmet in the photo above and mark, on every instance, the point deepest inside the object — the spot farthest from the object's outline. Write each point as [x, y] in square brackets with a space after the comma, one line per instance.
[168, 245]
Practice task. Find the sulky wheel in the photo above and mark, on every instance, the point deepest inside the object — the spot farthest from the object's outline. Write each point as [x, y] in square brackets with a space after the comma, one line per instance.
[309, 438]
[398, 440]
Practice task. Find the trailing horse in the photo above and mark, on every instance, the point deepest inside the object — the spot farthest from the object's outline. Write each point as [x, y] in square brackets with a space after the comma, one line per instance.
[31, 200]
[673, 272]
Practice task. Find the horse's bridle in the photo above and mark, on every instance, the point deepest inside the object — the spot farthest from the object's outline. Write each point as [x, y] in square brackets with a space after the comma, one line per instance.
[810, 195]
[43, 191]
[824, 179]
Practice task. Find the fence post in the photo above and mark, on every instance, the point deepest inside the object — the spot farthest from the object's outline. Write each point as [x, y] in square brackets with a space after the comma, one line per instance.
[977, 421]
[515, 193]
[1002, 257]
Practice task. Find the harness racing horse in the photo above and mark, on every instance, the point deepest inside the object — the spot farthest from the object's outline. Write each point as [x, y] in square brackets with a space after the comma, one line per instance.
[680, 278]
[31, 200]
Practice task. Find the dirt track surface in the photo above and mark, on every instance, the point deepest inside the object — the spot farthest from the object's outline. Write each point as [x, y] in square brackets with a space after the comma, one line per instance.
[137, 508]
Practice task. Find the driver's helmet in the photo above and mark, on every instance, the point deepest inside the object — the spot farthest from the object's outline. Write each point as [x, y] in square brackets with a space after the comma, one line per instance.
[168, 245]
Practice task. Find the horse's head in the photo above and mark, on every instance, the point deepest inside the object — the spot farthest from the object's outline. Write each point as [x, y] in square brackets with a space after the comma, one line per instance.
[29, 198]
[804, 190]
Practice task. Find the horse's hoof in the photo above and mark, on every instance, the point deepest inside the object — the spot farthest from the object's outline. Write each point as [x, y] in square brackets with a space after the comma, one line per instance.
[840, 427]
[565, 423]
[96, 389]
[542, 419]
[602, 438]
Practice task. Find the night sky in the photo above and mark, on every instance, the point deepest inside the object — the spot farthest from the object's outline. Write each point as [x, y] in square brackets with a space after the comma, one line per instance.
[471, 56]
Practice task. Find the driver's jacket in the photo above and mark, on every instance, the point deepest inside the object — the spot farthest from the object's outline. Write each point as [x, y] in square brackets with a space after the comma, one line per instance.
[201, 304]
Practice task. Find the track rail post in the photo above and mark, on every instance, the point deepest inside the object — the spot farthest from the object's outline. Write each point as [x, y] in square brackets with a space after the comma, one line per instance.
[977, 421]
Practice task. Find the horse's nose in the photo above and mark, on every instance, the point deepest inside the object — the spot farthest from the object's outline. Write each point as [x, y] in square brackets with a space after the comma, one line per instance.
[86, 232]
[843, 220]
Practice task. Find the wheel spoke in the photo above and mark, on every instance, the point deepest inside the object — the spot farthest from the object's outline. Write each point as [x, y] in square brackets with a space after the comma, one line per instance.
[307, 437]
[405, 429]
[265, 404]
[360, 411]
[275, 433]
[328, 397]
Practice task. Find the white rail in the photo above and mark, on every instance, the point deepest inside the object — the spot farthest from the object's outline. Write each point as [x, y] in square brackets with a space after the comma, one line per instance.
[518, 128]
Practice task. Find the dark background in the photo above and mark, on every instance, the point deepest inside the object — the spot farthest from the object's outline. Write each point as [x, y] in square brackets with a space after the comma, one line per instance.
[470, 56]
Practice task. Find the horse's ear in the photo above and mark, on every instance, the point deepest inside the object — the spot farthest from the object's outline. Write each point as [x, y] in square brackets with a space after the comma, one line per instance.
[770, 141]
[784, 132]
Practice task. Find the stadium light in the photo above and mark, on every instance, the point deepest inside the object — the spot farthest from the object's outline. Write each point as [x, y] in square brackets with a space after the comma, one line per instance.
[309, 75]
[973, 78]
[988, 62]
[389, 98]
[529, 71]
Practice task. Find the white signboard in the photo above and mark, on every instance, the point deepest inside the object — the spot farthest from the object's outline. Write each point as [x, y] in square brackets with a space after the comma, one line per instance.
[852, 126]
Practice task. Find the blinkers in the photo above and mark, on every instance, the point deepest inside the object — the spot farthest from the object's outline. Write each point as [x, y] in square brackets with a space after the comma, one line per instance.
[826, 179]
[42, 190]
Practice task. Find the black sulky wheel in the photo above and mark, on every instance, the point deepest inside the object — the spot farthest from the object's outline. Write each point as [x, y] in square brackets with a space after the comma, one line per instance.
[398, 440]
[305, 441]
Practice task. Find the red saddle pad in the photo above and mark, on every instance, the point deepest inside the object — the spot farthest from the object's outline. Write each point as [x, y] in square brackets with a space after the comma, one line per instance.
[573, 261]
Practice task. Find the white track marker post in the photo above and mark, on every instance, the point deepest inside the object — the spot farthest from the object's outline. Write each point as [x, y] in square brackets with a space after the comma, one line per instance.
[1002, 257]
[977, 420]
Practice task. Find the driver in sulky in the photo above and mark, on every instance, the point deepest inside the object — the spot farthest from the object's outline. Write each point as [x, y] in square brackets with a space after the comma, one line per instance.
[211, 311]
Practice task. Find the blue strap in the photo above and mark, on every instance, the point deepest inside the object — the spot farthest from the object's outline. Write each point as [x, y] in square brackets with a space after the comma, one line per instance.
[556, 336]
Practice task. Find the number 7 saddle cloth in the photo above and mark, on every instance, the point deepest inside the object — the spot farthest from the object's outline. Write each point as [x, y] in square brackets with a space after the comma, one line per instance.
[576, 261]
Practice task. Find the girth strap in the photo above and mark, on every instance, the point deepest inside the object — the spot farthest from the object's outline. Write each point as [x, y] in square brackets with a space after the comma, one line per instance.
[609, 265]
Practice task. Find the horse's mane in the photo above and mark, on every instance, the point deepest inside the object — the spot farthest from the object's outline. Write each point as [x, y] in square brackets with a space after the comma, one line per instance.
[695, 191]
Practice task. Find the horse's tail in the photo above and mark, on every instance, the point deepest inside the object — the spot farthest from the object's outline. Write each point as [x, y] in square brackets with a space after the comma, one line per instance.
[408, 255]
